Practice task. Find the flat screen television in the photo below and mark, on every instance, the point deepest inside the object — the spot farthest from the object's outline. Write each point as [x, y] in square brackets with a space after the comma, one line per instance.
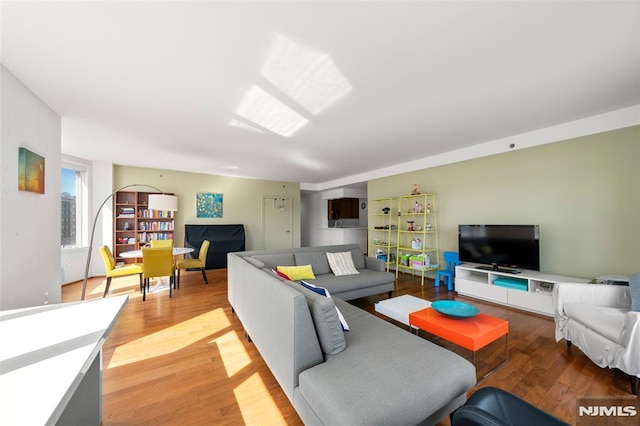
[510, 246]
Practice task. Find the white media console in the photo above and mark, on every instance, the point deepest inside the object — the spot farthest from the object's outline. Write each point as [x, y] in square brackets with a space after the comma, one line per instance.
[528, 290]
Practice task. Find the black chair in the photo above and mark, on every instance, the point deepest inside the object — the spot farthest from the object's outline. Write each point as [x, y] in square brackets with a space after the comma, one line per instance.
[494, 407]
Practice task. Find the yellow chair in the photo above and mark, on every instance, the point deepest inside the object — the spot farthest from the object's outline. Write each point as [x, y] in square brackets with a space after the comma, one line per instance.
[122, 271]
[200, 262]
[157, 262]
[161, 243]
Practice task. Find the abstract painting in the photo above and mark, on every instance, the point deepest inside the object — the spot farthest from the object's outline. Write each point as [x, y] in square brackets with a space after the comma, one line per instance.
[30, 171]
[208, 205]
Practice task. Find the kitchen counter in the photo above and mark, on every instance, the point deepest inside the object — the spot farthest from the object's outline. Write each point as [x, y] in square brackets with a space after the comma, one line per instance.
[336, 236]
[347, 228]
[51, 359]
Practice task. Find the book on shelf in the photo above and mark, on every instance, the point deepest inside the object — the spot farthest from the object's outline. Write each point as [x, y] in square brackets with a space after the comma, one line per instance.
[145, 237]
[155, 226]
[155, 214]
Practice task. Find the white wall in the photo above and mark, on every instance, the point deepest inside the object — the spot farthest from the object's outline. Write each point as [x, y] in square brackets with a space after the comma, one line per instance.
[29, 222]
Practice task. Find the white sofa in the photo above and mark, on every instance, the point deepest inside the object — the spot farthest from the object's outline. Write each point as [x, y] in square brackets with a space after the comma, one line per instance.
[597, 319]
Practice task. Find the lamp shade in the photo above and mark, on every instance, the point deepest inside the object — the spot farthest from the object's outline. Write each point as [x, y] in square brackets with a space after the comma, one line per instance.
[163, 202]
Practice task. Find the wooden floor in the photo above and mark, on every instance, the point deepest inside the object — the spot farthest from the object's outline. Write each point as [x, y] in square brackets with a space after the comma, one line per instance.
[185, 361]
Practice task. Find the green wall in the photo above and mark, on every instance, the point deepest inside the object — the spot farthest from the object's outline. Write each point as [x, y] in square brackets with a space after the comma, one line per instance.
[242, 198]
[584, 193]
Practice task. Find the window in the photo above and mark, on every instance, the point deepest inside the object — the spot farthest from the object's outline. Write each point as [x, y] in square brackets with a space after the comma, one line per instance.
[74, 203]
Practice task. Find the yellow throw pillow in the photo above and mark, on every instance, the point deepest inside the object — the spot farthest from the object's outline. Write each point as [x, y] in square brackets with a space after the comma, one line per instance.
[296, 273]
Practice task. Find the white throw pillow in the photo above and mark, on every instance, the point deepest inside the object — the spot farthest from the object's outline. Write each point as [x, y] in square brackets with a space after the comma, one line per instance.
[342, 264]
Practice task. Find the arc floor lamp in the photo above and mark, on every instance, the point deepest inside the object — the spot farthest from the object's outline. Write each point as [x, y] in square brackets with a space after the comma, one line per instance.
[159, 201]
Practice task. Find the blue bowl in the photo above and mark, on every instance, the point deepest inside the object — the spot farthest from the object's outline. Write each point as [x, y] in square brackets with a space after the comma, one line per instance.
[455, 309]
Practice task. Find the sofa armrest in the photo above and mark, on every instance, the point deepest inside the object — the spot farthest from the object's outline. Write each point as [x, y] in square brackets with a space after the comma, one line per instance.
[614, 296]
[590, 294]
[374, 264]
[630, 338]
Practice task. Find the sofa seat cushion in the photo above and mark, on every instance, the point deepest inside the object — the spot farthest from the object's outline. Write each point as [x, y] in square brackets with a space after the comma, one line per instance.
[366, 278]
[604, 320]
[363, 385]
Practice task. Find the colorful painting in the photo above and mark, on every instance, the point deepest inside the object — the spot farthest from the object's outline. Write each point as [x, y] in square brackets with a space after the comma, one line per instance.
[30, 171]
[208, 205]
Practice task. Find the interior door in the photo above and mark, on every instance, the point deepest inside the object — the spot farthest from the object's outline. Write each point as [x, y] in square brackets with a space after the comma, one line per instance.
[277, 222]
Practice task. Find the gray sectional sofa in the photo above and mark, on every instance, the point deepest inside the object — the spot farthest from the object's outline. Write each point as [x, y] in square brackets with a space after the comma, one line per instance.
[374, 374]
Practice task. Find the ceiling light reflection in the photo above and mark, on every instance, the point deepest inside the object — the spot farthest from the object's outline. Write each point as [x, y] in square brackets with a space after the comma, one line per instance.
[309, 77]
[265, 110]
[237, 123]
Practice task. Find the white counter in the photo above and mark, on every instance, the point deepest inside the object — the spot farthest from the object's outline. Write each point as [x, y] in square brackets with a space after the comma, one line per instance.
[333, 236]
[50, 361]
[346, 228]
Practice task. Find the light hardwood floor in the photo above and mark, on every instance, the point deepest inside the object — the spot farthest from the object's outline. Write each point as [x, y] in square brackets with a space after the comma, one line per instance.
[185, 361]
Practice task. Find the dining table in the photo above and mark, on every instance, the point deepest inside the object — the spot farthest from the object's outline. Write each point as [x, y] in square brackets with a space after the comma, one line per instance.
[133, 254]
[160, 283]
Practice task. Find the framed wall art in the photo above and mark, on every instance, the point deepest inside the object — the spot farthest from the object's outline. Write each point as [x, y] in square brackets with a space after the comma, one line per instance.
[209, 205]
[30, 171]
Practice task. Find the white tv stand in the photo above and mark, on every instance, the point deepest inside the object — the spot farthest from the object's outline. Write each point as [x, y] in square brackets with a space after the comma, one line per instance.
[533, 295]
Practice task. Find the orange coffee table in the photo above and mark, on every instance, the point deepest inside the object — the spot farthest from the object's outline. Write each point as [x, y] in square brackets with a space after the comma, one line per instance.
[471, 333]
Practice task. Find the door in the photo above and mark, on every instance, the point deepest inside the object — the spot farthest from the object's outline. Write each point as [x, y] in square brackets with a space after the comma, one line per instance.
[277, 222]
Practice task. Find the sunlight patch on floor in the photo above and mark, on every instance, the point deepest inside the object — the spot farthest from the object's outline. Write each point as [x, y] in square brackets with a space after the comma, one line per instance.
[119, 286]
[256, 404]
[233, 354]
[171, 339]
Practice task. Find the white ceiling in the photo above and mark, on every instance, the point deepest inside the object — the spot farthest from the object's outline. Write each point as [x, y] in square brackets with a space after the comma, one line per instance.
[316, 91]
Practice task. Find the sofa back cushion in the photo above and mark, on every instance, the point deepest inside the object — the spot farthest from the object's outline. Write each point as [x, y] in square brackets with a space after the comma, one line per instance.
[272, 261]
[325, 319]
[255, 262]
[358, 258]
[317, 260]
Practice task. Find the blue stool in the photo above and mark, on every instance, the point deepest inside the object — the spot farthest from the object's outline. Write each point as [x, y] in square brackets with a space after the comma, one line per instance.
[451, 260]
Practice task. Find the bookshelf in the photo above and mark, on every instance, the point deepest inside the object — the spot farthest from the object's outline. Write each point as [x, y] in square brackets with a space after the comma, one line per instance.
[417, 242]
[382, 230]
[134, 225]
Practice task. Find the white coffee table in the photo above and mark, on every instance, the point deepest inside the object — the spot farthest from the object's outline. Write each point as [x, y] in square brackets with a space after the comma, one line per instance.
[399, 308]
